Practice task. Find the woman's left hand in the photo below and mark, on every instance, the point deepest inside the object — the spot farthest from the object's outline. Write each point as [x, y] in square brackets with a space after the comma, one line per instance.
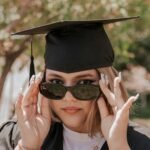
[114, 125]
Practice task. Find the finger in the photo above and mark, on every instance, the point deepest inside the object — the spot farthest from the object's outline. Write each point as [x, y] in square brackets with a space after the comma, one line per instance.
[29, 103]
[38, 79]
[35, 92]
[18, 103]
[129, 102]
[102, 108]
[117, 92]
[35, 105]
[109, 95]
[32, 91]
[20, 112]
[45, 109]
[18, 109]
[28, 93]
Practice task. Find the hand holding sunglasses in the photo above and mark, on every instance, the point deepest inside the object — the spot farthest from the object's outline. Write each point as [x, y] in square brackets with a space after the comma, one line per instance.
[31, 121]
[114, 125]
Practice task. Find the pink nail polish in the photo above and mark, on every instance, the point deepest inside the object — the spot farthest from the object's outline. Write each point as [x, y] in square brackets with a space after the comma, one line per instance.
[120, 76]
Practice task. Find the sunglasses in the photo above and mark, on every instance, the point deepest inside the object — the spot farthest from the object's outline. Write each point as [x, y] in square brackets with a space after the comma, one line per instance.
[80, 92]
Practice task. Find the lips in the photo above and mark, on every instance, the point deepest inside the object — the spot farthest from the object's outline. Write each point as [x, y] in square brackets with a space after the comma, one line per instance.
[71, 109]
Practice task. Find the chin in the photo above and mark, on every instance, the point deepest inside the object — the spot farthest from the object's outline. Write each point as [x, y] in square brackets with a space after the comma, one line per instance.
[75, 121]
[75, 125]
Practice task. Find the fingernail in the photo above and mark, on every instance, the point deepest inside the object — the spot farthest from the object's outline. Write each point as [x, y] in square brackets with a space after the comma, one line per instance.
[102, 78]
[136, 97]
[120, 76]
[32, 79]
[20, 92]
[106, 79]
[39, 75]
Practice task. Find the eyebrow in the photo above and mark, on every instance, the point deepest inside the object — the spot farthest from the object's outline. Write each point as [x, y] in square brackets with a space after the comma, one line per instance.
[84, 75]
[76, 77]
[54, 75]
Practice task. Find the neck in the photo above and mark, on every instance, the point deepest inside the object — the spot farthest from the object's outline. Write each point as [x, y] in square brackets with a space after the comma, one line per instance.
[77, 129]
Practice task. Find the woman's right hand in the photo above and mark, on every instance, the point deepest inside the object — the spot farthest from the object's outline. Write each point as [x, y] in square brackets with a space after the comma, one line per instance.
[34, 125]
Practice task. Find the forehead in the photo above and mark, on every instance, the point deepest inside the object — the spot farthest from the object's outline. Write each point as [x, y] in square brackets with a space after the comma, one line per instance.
[91, 72]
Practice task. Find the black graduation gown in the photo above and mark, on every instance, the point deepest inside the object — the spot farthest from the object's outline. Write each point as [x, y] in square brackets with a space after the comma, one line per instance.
[54, 139]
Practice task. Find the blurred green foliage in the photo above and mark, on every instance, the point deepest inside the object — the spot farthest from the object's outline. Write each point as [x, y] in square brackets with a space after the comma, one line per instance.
[141, 49]
[141, 112]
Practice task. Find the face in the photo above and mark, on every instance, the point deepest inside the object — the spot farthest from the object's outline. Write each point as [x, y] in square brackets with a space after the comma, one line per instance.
[72, 112]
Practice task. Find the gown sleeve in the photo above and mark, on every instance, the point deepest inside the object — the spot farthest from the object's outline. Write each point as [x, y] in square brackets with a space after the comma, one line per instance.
[138, 138]
[9, 135]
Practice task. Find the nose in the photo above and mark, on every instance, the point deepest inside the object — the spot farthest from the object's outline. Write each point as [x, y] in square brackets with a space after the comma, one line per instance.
[69, 97]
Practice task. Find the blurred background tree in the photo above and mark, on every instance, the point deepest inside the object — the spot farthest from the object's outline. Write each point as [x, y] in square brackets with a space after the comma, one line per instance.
[131, 39]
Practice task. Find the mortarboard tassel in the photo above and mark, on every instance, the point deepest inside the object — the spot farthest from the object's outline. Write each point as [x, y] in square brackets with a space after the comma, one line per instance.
[32, 68]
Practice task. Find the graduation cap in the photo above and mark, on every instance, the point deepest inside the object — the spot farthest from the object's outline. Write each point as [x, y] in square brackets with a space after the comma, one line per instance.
[73, 46]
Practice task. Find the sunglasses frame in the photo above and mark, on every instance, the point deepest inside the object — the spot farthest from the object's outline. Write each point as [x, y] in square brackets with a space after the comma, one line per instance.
[70, 89]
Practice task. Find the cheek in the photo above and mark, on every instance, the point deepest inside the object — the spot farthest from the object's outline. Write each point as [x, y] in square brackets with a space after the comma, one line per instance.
[87, 107]
[55, 105]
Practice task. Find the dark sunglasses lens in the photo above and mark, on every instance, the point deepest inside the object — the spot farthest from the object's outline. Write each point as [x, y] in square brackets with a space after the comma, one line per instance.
[52, 91]
[86, 92]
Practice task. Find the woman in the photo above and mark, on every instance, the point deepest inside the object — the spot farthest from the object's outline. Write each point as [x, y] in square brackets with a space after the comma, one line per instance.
[83, 104]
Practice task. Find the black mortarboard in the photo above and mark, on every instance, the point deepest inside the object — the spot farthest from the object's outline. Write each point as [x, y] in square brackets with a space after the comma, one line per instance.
[73, 46]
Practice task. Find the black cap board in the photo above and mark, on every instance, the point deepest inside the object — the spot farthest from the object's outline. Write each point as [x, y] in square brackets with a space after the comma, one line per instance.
[73, 46]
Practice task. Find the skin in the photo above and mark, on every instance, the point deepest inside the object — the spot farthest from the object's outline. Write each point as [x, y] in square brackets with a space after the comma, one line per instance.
[36, 124]
[71, 111]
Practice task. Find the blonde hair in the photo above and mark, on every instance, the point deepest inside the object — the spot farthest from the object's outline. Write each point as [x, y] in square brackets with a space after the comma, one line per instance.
[93, 121]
